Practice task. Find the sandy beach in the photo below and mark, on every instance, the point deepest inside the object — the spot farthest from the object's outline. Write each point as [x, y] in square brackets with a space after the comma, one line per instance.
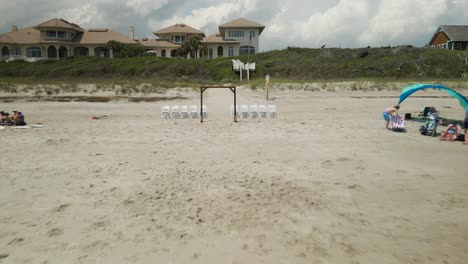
[324, 182]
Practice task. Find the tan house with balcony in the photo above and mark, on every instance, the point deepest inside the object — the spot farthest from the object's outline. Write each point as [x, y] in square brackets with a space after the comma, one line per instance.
[170, 39]
[57, 38]
[238, 37]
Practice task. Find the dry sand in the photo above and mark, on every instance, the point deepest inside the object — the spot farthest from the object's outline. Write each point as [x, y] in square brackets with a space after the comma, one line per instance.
[322, 183]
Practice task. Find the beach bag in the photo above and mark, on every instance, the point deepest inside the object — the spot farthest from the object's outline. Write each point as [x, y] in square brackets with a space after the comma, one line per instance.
[423, 130]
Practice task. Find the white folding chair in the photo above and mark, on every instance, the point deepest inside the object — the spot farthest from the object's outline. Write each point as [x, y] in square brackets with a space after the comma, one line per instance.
[271, 109]
[244, 111]
[193, 111]
[175, 111]
[253, 111]
[262, 113]
[204, 111]
[165, 112]
[232, 110]
[184, 111]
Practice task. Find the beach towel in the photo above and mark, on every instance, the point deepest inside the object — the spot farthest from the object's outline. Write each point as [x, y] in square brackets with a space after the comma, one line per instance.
[398, 124]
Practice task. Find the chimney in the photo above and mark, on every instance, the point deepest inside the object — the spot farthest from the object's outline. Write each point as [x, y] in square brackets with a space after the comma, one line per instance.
[14, 28]
[131, 32]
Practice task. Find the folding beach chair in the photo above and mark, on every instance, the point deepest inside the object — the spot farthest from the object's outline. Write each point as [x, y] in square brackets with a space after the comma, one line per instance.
[244, 111]
[165, 112]
[271, 111]
[193, 111]
[262, 112]
[204, 111]
[398, 124]
[430, 127]
[184, 111]
[175, 111]
[253, 111]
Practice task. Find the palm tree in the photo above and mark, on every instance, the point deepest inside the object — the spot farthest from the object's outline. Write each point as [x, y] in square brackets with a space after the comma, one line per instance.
[191, 46]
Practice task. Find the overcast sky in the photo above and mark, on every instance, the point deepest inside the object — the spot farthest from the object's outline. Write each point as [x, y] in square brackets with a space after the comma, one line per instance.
[299, 23]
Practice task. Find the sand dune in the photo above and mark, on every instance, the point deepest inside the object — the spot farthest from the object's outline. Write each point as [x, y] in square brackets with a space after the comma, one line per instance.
[324, 182]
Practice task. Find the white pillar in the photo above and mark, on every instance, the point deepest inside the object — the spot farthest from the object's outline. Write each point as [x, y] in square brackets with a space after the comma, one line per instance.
[91, 51]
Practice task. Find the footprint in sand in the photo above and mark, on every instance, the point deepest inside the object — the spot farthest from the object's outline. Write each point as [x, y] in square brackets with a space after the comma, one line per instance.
[4, 255]
[327, 163]
[343, 159]
[62, 207]
[55, 232]
[426, 176]
[16, 241]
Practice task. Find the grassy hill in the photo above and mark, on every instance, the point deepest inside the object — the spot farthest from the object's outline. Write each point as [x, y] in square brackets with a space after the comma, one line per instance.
[291, 64]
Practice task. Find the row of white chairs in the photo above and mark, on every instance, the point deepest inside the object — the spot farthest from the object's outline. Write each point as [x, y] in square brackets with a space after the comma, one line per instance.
[183, 111]
[254, 111]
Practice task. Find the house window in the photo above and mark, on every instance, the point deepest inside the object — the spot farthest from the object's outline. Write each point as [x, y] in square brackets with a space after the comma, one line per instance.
[231, 51]
[61, 34]
[163, 53]
[17, 51]
[51, 34]
[178, 39]
[246, 50]
[33, 52]
[236, 34]
[252, 34]
[5, 51]
[459, 46]
[220, 51]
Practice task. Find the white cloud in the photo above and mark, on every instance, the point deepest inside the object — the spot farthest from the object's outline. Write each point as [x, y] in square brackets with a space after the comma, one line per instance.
[145, 7]
[400, 21]
[212, 14]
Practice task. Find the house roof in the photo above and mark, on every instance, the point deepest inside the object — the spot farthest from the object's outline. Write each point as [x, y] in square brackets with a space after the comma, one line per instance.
[59, 23]
[32, 35]
[101, 36]
[241, 23]
[157, 43]
[21, 36]
[218, 38]
[455, 32]
[179, 28]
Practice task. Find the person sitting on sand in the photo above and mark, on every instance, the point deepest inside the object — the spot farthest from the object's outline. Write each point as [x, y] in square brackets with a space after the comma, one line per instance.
[2, 118]
[5, 119]
[451, 132]
[18, 118]
[393, 111]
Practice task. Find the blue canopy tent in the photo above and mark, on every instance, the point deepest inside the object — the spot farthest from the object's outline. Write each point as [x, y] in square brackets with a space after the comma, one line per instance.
[407, 91]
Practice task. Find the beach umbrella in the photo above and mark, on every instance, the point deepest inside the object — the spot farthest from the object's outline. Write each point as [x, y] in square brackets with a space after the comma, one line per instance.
[407, 91]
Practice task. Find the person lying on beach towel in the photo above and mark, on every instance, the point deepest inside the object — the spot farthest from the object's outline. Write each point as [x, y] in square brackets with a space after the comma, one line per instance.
[451, 132]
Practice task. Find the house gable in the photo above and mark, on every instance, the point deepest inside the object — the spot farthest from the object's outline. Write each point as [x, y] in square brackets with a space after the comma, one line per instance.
[439, 39]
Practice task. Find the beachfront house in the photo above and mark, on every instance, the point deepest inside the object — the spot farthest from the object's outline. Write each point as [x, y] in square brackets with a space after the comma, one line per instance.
[453, 37]
[55, 39]
[170, 39]
[236, 38]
